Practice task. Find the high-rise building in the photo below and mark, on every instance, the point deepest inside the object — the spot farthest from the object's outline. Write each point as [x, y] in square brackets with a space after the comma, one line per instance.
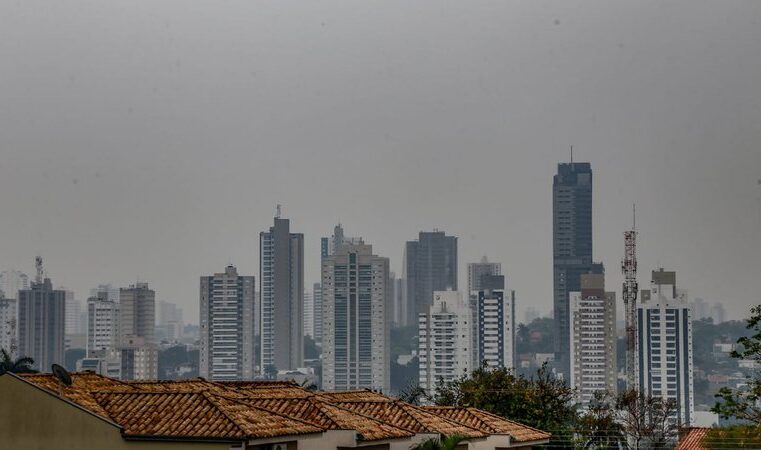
[700, 309]
[477, 270]
[8, 325]
[494, 322]
[102, 325]
[135, 358]
[317, 299]
[356, 319]
[281, 256]
[105, 292]
[445, 342]
[73, 314]
[593, 338]
[227, 320]
[168, 313]
[137, 312]
[430, 264]
[664, 329]
[12, 281]
[41, 324]
[309, 313]
[396, 300]
[571, 246]
[718, 313]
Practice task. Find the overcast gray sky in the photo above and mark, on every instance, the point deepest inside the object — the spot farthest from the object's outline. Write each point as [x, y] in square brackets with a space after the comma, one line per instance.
[152, 140]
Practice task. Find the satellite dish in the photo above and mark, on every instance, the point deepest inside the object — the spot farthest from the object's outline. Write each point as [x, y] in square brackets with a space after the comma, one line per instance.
[62, 374]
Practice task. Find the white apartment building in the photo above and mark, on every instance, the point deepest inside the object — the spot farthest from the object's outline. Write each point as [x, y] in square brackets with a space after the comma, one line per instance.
[664, 329]
[494, 323]
[446, 341]
[356, 319]
[102, 326]
[593, 338]
[227, 320]
[309, 314]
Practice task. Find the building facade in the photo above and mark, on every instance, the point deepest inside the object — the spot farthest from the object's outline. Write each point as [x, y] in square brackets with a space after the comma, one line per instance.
[137, 351]
[317, 301]
[281, 257]
[430, 264]
[102, 325]
[495, 322]
[12, 281]
[593, 338]
[309, 314]
[41, 324]
[571, 247]
[356, 325]
[227, 320]
[445, 340]
[8, 325]
[479, 269]
[664, 328]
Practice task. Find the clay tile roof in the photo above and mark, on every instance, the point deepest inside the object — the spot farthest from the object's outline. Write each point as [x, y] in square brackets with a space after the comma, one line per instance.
[489, 423]
[259, 384]
[362, 395]
[80, 391]
[692, 440]
[439, 424]
[196, 384]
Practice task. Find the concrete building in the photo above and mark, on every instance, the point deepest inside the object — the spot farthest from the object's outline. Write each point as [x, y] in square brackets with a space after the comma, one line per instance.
[445, 340]
[227, 320]
[137, 326]
[309, 314]
[281, 257]
[41, 324]
[664, 327]
[12, 281]
[317, 300]
[73, 323]
[593, 338]
[168, 313]
[479, 269]
[571, 247]
[396, 300]
[494, 322]
[430, 264]
[718, 313]
[106, 292]
[136, 358]
[8, 325]
[356, 293]
[102, 325]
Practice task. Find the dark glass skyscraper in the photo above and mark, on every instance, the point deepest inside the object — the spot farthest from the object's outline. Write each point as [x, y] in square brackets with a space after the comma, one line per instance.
[430, 264]
[571, 246]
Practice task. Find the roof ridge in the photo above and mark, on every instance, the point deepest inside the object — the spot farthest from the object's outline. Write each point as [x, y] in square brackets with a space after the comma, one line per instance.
[481, 411]
[265, 410]
[422, 410]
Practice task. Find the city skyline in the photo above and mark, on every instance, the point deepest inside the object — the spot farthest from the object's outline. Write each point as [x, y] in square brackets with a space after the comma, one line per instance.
[464, 139]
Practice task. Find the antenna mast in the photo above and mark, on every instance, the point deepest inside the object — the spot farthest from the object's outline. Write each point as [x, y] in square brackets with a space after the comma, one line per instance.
[629, 269]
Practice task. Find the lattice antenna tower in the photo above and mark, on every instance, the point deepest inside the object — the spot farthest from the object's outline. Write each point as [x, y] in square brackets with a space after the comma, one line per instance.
[630, 289]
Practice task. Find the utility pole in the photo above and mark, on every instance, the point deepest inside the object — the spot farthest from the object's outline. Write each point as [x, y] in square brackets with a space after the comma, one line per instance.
[629, 269]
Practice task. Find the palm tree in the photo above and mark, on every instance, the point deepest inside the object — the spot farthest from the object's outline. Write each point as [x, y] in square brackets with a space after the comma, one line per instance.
[447, 443]
[20, 365]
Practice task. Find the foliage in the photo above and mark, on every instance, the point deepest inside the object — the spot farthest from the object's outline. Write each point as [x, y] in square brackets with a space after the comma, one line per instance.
[745, 403]
[545, 344]
[540, 401]
[733, 437]
[646, 421]
[412, 394]
[447, 443]
[19, 365]
[597, 428]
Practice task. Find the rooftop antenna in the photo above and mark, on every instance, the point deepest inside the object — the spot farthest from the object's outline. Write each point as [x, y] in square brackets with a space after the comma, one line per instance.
[63, 376]
[277, 212]
[38, 266]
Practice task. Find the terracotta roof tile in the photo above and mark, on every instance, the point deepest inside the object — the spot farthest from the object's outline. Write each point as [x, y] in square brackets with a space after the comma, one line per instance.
[362, 395]
[489, 423]
[80, 391]
[693, 439]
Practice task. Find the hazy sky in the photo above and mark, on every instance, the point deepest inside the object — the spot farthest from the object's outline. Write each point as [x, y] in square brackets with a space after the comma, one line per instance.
[152, 140]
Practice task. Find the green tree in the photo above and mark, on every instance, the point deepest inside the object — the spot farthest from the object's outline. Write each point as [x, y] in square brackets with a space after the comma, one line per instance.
[19, 365]
[447, 443]
[745, 403]
[541, 401]
[598, 428]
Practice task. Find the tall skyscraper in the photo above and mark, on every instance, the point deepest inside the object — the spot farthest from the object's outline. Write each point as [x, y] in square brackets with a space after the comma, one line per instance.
[430, 264]
[168, 313]
[41, 324]
[8, 325]
[445, 342]
[73, 314]
[137, 312]
[12, 281]
[593, 338]
[718, 313]
[105, 292]
[494, 322]
[102, 325]
[317, 299]
[572, 246]
[281, 256]
[227, 320]
[664, 328]
[396, 300]
[309, 314]
[477, 270]
[356, 319]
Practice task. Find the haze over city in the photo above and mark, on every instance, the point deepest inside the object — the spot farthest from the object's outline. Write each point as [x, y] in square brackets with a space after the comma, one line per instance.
[153, 144]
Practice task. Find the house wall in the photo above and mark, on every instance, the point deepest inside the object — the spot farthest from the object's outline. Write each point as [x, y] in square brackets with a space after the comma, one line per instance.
[33, 419]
